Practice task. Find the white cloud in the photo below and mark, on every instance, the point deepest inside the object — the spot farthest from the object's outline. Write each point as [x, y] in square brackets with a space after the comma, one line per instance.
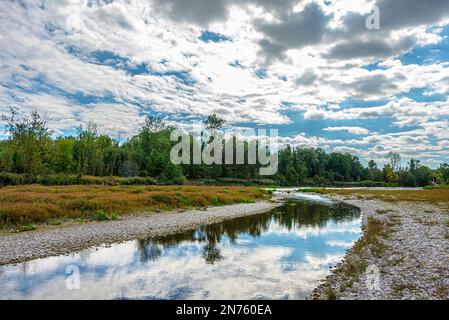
[46, 64]
[353, 130]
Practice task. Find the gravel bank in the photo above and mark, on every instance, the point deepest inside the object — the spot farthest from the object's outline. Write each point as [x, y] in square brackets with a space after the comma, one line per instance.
[15, 248]
[412, 259]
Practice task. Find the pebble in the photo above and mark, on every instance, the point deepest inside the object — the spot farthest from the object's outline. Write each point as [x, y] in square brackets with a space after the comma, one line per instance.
[21, 247]
[414, 265]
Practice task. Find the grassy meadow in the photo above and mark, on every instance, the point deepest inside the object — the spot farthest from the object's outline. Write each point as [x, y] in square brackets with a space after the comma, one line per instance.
[433, 196]
[23, 206]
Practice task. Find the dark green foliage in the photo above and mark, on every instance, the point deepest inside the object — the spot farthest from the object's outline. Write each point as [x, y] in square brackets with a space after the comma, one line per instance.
[11, 179]
[424, 176]
[213, 122]
[32, 155]
[101, 215]
[27, 227]
[407, 179]
[444, 173]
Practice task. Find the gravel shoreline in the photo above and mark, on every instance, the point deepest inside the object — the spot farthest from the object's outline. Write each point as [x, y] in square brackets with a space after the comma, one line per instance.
[411, 255]
[21, 247]
[411, 262]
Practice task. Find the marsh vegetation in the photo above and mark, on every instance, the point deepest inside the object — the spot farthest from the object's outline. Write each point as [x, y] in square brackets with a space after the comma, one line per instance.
[23, 206]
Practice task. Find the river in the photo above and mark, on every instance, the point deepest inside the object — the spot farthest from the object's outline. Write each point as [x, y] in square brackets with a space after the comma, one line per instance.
[281, 254]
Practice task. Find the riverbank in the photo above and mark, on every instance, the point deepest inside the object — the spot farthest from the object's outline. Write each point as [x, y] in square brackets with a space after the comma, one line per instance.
[24, 208]
[406, 239]
[21, 247]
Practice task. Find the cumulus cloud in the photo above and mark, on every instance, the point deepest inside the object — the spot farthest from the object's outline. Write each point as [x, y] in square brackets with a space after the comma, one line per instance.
[396, 18]
[201, 12]
[371, 48]
[410, 13]
[115, 61]
[405, 111]
[296, 29]
[353, 130]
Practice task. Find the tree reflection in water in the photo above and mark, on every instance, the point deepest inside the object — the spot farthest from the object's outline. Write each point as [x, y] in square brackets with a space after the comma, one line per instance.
[293, 215]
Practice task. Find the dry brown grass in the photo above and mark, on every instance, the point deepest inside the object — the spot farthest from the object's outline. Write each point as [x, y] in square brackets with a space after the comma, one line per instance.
[20, 205]
[434, 196]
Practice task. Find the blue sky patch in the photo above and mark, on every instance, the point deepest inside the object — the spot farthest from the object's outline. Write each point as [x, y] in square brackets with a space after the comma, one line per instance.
[110, 59]
[261, 73]
[419, 95]
[237, 64]
[434, 53]
[354, 103]
[208, 36]
[374, 66]
[160, 59]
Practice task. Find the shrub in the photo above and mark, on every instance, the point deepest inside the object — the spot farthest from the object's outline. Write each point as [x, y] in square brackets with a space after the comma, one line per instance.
[27, 227]
[101, 215]
[10, 179]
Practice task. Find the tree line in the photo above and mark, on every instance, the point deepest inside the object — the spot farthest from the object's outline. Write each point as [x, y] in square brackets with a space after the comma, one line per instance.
[31, 149]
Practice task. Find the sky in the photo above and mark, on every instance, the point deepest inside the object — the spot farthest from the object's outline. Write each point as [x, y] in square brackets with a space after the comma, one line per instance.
[309, 68]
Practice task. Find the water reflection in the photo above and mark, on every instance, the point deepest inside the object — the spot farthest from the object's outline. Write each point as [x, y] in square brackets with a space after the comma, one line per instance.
[277, 255]
[294, 215]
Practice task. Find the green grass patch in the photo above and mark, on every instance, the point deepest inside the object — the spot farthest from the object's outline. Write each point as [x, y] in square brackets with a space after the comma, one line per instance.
[331, 295]
[27, 227]
[103, 216]
[311, 190]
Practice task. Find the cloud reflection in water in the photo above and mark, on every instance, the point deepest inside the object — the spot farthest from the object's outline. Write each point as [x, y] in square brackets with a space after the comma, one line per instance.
[278, 255]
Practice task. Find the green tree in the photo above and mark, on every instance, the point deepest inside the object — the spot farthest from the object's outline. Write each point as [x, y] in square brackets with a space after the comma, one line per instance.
[406, 179]
[6, 156]
[29, 141]
[213, 122]
[424, 176]
[389, 175]
[339, 166]
[62, 155]
[150, 149]
[31, 149]
[413, 165]
[444, 172]
[373, 172]
[395, 160]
